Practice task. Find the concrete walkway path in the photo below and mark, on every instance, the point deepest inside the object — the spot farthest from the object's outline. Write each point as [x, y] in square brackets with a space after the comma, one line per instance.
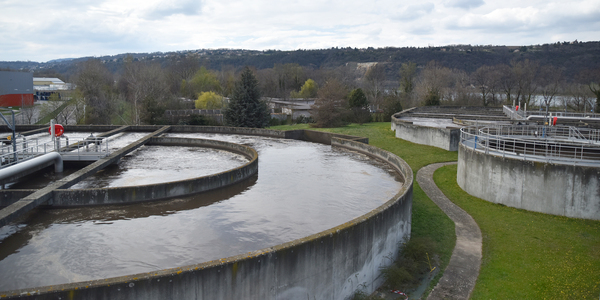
[461, 273]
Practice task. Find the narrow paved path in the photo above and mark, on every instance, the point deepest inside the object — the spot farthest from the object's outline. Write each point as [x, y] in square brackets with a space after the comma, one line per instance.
[461, 273]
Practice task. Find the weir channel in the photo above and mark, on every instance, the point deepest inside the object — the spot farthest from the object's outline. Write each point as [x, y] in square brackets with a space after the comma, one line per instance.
[302, 188]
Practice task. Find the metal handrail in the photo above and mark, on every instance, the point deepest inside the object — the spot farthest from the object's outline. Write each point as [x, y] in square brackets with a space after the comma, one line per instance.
[26, 149]
[573, 134]
[90, 145]
[513, 114]
[563, 114]
[552, 145]
[30, 148]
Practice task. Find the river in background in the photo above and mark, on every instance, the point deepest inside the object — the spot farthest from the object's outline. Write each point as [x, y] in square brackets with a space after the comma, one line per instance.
[301, 188]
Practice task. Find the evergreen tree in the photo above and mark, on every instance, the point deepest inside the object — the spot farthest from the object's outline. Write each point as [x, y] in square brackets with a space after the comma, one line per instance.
[245, 108]
[357, 99]
[359, 106]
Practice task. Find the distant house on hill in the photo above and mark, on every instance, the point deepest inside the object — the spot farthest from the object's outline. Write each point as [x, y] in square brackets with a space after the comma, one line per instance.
[294, 107]
[16, 89]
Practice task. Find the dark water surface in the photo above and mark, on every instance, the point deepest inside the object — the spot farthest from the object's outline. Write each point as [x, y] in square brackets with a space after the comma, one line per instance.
[301, 189]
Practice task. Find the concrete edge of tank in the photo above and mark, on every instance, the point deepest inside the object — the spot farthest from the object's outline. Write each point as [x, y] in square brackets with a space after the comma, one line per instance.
[158, 191]
[331, 264]
[569, 190]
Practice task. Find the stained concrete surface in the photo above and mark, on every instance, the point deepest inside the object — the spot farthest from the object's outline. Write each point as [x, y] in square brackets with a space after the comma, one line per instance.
[277, 208]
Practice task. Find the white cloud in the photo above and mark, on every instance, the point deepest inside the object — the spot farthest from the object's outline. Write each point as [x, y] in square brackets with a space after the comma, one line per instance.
[182, 7]
[542, 20]
[413, 12]
[500, 19]
[465, 4]
[43, 30]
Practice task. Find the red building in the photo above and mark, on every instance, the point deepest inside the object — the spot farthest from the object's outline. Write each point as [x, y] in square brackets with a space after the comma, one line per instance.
[16, 89]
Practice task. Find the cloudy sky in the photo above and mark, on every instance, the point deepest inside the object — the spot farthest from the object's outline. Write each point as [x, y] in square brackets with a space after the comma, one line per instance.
[42, 30]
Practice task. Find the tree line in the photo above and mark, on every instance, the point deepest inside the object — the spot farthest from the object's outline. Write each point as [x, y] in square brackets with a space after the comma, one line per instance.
[140, 91]
[571, 57]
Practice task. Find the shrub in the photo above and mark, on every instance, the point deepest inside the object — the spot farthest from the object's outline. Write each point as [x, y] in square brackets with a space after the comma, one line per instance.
[412, 264]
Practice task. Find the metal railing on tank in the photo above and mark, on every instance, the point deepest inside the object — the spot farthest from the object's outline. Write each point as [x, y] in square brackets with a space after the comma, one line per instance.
[87, 149]
[81, 149]
[540, 143]
[24, 150]
[564, 114]
[513, 114]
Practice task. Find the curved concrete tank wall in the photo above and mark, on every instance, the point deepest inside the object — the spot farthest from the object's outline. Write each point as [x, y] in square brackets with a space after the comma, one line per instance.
[131, 194]
[331, 264]
[445, 138]
[565, 190]
[123, 195]
[158, 191]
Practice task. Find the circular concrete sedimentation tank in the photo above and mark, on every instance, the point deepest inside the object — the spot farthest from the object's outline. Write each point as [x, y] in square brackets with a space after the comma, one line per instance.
[439, 126]
[328, 264]
[553, 170]
[548, 169]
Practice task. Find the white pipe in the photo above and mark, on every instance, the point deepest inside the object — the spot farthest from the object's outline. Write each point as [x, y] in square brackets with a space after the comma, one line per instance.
[32, 163]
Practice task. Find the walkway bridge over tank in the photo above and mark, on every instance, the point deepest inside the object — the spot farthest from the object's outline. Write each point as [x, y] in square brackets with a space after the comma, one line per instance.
[30, 157]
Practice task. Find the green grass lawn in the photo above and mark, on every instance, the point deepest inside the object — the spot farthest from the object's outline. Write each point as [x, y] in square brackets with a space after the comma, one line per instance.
[528, 255]
[427, 219]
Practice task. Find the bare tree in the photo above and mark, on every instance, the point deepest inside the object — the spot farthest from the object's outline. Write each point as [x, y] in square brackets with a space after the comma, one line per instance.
[433, 83]
[591, 77]
[494, 86]
[63, 115]
[28, 113]
[290, 77]
[181, 68]
[77, 107]
[330, 108]
[408, 71]
[348, 74]
[227, 77]
[507, 81]
[267, 80]
[374, 84]
[550, 82]
[580, 96]
[460, 91]
[145, 85]
[95, 82]
[525, 73]
[483, 82]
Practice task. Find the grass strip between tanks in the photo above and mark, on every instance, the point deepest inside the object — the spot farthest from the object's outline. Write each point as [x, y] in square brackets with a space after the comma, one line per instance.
[529, 255]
